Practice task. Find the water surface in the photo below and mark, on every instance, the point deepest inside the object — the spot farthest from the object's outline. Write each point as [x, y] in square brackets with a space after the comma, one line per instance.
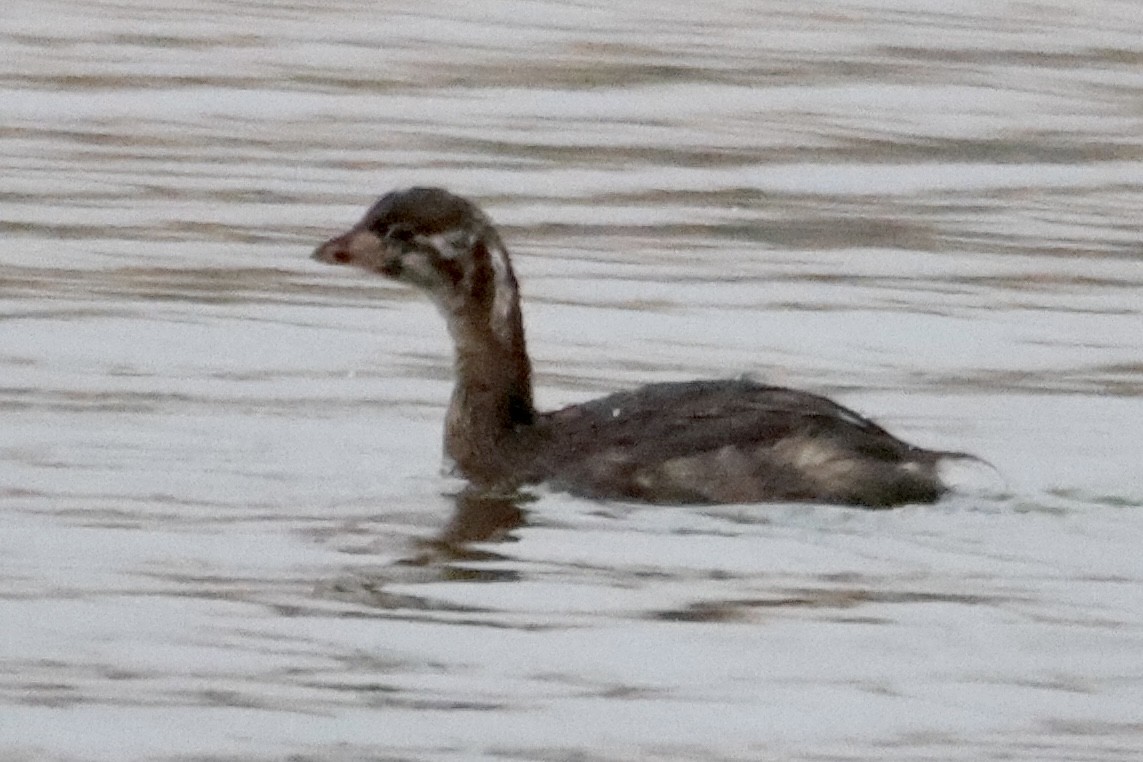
[223, 534]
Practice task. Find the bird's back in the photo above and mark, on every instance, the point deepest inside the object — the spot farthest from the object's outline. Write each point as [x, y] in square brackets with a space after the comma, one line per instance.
[730, 441]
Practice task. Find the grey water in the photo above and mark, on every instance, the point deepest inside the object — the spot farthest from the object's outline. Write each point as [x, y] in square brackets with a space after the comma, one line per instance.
[224, 534]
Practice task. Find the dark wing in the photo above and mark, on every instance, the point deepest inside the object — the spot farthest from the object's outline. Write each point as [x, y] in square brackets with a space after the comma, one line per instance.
[663, 421]
[730, 441]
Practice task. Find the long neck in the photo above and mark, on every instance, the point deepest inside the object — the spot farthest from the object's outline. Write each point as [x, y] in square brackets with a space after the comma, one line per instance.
[491, 404]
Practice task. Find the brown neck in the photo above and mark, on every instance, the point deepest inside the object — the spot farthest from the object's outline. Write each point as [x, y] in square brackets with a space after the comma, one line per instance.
[491, 405]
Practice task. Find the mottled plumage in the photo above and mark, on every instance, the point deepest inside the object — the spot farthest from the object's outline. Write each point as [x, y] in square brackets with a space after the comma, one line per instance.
[692, 442]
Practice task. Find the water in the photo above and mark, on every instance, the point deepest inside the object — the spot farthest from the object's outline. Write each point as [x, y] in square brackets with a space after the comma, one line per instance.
[222, 531]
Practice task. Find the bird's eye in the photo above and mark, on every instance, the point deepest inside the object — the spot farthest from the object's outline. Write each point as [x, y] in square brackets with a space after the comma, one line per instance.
[400, 234]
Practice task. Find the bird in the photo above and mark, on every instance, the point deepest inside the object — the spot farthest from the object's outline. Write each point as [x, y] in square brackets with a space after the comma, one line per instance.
[699, 442]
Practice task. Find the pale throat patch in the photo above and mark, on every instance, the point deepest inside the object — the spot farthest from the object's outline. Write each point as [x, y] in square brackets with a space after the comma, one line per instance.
[456, 244]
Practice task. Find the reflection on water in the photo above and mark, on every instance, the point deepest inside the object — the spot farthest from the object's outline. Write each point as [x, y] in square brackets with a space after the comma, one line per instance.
[221, 523]
[480, 518]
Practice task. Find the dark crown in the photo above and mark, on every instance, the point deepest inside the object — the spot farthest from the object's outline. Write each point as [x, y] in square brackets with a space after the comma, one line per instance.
[421, 211]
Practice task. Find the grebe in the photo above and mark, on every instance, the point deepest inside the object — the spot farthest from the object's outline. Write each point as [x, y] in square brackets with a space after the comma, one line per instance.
[693, 442]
